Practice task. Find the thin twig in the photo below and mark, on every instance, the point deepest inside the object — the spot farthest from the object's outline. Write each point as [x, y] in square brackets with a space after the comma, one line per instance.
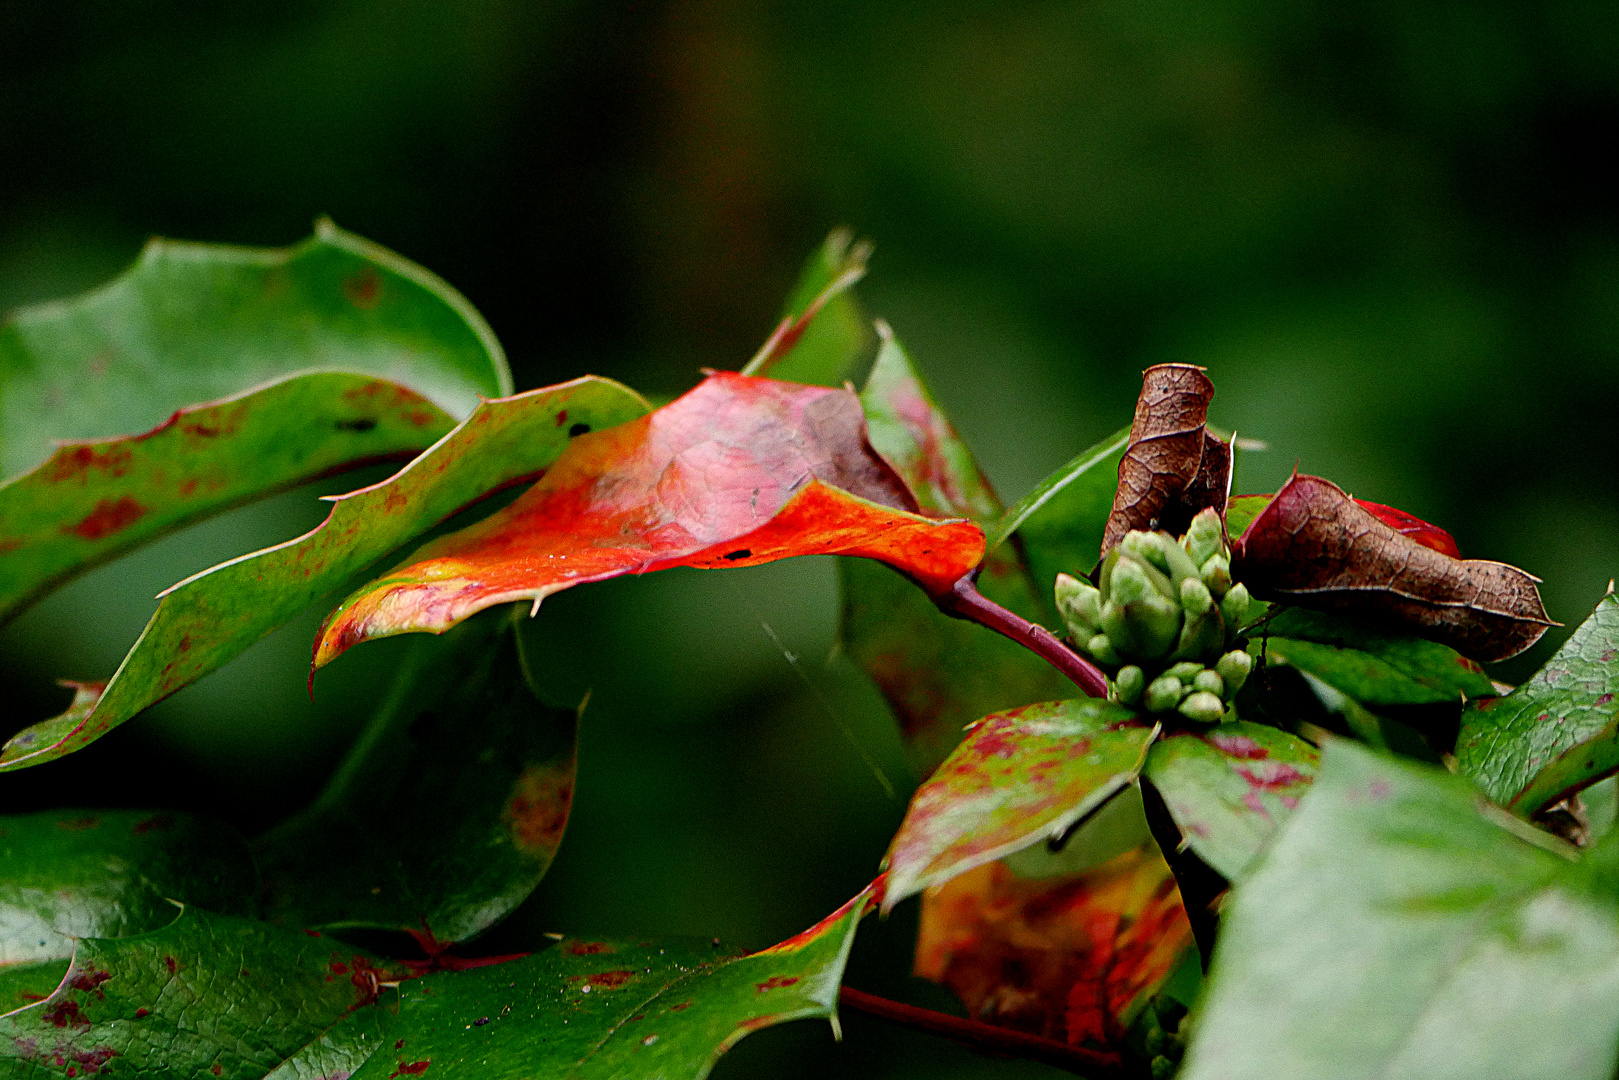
[964, 601]
[986, 1037]
[1200, 884]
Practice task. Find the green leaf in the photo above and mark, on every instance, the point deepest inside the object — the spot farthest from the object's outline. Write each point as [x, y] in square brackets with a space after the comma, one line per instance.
[1230, 788]
[585, 1009]
[1018, 778]
[449, 808]
[209, 619]
[824, 333]
[95, 500]
[24, 984]
[1557, 732]
[206, 996]
[1369, 664]
[111, 873]
[937, 673]
[1060, 522]
[1401, 927]
[1240, 510]
[200, 322]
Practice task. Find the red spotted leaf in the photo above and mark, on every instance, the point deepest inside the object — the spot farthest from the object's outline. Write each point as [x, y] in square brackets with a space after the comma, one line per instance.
[1172, 467]
[737, 472]
[1069, 958]
[1018, 778]
[1231, 787]
[1316, 547]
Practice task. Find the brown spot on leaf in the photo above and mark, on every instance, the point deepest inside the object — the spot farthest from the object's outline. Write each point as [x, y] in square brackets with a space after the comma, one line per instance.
[65, 1013]
[363, 290]
[776, 982]
[590, 948]
[415, 1068]
[78, 824]
[537, 812]
[109, 516]
[611, 980]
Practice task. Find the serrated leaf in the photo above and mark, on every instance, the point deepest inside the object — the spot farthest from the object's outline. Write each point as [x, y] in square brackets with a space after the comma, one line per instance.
[1397, 898]
[1315, 546]
[201, 322]
[1060, 522]
[1018, 778]
[936, 672]
[1230, 788]
[584, 1009]
[208, 620]
[1374, 664]
[206, 996]
[94, 500]
[1557, 732]
[737, 472]
[1071, 958]
[448, 810]
[824, 333]
[111, 873]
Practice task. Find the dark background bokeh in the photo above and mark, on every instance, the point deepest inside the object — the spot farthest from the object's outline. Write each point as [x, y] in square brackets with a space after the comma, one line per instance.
[1385, 228]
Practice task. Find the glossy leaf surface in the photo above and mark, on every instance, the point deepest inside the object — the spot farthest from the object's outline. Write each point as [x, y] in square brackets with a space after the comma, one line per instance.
[1394, 897]
[95, 500]
[449, 808]
[111, 873]
[1315, 546]
[1375, 665]
[937, 673]
[1240, 511]
[208, 620]
[613, 1008]
[1230, 788]
[1060, 523]
[201, 322]
[737, 472]
[1069, 958]
[1413, 528]
[1018, 778]
[206, 996]
[1173, 467]
[1557, 732]
[824, 333]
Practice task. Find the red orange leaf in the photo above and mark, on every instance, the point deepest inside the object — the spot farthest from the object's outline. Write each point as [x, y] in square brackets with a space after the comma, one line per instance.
[1068, 958]
[737, 472]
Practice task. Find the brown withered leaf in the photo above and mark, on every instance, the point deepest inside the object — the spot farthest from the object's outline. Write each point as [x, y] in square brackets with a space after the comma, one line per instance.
[1172, 467]
[1069, 958]
[1316, 547]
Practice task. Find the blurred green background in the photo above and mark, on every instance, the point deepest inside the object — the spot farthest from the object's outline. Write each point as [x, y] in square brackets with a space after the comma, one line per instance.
[1384, 227]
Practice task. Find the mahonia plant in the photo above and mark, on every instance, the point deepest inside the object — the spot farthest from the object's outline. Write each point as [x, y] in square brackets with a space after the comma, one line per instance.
[1287, 827]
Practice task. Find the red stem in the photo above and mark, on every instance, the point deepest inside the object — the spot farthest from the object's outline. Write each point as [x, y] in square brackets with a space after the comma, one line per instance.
[986, 1037]
[964, 601]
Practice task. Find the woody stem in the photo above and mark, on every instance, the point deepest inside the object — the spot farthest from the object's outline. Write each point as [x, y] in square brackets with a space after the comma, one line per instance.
[964, 601]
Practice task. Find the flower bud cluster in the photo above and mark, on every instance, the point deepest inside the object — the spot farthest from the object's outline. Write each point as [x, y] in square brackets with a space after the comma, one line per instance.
[1162, 617]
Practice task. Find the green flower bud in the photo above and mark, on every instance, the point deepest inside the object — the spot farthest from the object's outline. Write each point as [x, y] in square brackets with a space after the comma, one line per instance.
[1160, 551]
[1203, 707]
[1158, 624]
[1185, 671]
[1157, 1041]
[1195, 596]
[1234, 667]
[1216, 574]
[1100, 646]
[1155, 578]
[1209, 681]
[1205, 537]
[1235, 605]
[1130, 584]
[1129, 683]
[1163, 694]
[1203, 636]
[1117, 626]
[1080, 604]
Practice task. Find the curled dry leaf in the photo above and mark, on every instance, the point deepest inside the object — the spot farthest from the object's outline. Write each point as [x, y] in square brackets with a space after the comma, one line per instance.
[1415, 528]
[1069, 957]
[737, 472]
[1316, 547]
[1172, 467]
